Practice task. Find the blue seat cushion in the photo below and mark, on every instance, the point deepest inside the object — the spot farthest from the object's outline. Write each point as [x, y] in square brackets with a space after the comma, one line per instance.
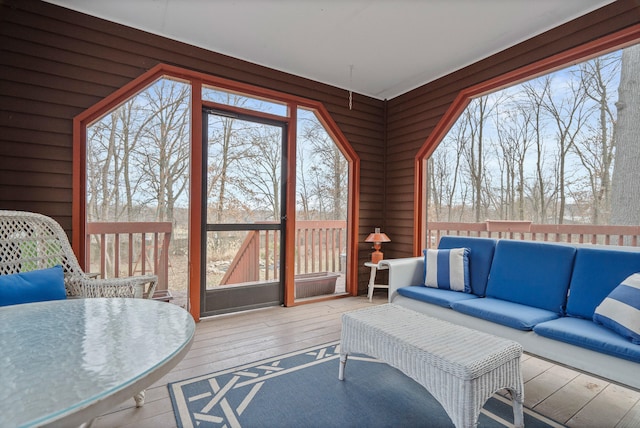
[587, 334]
[34, 286]
[437, 296]
[480, 257]
[595, 274]
[514, 315]
[535, 274]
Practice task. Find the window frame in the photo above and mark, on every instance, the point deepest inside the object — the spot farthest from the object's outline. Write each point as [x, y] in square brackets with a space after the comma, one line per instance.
[197, 80]
[600, 46]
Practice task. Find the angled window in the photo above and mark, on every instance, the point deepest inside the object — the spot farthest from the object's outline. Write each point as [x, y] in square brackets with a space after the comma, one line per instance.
[137, 186]
[555, 149]
[191, 178]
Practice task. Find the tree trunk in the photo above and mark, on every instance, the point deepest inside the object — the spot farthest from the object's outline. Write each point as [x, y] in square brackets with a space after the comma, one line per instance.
[625, 187]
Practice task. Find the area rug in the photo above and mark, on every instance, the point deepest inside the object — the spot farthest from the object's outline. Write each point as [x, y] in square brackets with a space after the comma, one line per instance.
[301, 389]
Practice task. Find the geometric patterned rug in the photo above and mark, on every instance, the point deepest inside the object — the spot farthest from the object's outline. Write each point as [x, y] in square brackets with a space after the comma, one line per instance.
[301, 389]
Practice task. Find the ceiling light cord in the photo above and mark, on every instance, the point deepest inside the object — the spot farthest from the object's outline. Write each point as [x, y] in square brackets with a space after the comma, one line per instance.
[350, 85]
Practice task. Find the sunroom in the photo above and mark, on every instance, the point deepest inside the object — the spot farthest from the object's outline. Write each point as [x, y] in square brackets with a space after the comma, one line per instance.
[227, 231]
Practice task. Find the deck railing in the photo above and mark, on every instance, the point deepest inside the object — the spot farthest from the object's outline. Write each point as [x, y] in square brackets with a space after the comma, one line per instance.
[525, 230]
[124, 249]
[320, 247]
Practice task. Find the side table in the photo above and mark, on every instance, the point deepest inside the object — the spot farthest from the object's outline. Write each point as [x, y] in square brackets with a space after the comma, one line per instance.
[372, 278]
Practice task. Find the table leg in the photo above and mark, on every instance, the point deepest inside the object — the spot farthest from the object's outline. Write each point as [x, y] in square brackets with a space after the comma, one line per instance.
[372, 280]
[343, 363]
[139, 398]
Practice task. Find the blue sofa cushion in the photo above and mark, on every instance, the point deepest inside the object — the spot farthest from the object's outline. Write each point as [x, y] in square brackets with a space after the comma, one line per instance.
[595, 274]
[587, 334]
[620, 311]
[447, 269]
[434, 295]
[33, 286]
[480, 257]
[531, 273]
[515, 315]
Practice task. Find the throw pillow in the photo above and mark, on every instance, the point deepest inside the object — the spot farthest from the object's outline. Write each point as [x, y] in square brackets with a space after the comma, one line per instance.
[447, 269]
[33, 286]
[620, 310]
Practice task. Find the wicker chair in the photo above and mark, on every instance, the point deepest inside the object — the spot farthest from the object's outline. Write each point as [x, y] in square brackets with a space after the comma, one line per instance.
[30, 241]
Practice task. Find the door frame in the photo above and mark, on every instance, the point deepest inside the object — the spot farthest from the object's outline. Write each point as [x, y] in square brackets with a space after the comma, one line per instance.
[263, 294]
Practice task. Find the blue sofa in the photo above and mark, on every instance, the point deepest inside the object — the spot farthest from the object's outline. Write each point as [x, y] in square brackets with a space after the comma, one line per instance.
[542, 295]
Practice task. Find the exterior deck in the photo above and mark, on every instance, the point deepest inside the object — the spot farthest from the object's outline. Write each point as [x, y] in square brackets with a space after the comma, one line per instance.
[572, 398]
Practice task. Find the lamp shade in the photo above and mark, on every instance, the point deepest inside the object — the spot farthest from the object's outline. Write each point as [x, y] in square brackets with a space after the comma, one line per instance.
[377, 236]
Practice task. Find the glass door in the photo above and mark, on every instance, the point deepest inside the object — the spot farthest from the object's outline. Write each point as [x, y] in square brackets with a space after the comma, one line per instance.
[243, 212]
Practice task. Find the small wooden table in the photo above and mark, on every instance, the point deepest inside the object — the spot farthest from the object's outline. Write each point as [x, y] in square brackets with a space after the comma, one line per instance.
[372, 278]
[65, 362]
[462, 368]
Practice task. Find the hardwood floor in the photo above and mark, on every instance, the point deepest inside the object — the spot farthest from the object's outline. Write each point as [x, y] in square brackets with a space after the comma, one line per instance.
[572, 398]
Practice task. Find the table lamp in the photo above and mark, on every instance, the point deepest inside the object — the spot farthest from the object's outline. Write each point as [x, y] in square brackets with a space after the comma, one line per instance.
[377, 238]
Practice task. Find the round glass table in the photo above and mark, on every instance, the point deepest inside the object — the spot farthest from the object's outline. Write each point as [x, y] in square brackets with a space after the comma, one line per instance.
[68, 361]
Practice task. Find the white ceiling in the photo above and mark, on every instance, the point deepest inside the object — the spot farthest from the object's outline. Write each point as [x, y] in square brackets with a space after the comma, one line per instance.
[380, 48]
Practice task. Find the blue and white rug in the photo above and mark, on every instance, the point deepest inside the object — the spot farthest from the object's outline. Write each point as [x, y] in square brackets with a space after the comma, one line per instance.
[301, 389]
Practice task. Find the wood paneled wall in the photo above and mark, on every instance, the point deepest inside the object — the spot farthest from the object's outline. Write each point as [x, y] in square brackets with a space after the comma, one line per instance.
[412, 116]
[55, 63]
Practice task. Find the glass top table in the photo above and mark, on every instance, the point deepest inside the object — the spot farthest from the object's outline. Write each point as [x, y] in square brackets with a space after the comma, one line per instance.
[69, 361]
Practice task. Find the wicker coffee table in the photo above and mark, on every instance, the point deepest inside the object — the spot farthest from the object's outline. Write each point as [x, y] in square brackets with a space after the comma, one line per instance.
[462, 368]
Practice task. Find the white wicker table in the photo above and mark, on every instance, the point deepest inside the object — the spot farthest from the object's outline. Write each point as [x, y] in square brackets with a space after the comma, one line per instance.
[462, 368]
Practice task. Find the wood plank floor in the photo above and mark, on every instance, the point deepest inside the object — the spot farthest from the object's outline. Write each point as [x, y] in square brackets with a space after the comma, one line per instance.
[572, 398]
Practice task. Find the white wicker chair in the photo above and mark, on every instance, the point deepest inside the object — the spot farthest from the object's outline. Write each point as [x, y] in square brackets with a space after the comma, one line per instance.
[30, 241]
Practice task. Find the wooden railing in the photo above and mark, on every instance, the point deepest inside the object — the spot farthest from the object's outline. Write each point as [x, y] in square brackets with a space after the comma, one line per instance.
[125, 249]
[525, 230]
[319, 248]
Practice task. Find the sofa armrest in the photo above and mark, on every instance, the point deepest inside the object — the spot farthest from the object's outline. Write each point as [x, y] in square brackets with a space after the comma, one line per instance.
[403, 272]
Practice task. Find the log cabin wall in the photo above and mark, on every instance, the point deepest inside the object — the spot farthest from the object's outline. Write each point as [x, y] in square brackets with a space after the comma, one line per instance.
[56, 63]
[411, 117]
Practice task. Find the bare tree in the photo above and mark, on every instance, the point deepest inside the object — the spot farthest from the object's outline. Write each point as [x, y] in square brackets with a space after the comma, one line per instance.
[596, 149]
[261, 170]
[568, 114]
[625, 190]
[475, 116]
[164, 156]
[303, 186]
[328, 172]
[515, 136]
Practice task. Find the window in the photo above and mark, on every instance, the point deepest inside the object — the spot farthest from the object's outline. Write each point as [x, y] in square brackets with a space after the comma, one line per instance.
[555, 149]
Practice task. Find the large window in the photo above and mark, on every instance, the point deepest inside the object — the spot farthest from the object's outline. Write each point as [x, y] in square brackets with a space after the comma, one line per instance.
[143, 184]
[562, 148]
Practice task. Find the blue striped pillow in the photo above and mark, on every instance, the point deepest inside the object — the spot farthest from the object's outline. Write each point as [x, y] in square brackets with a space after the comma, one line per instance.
[620, 310]
[447, 269]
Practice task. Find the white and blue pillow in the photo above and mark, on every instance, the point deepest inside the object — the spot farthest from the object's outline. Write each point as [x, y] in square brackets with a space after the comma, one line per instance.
[447, 269]
[620, 310]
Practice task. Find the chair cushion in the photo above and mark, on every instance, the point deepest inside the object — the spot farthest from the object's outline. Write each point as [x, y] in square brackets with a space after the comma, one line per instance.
[480, 258]
[620, 311]
[33, 286]
[587, 334]
[514, 315]
[596, 273]
[447, 269]
[531, 273]
[436, 296]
